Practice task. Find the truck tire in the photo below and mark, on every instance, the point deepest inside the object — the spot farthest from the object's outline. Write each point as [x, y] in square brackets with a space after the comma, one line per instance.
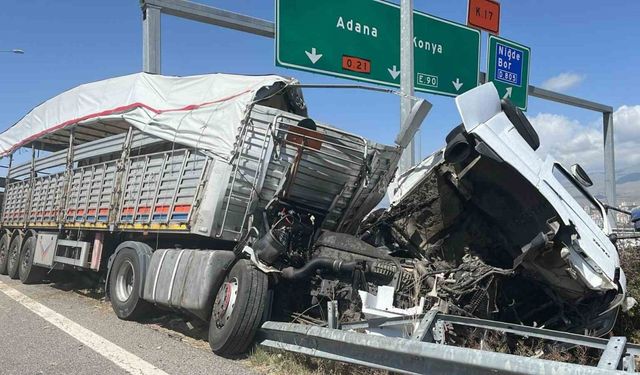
[125, 280]
[28, 272]
[238, 309]
[4, 252]
[13, 258]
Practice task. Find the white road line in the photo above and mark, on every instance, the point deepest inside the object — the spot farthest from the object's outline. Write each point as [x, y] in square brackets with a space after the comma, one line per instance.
[127, 361]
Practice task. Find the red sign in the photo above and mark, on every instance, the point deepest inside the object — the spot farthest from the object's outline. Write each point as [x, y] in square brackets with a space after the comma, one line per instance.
[484, 14]
[356, 64]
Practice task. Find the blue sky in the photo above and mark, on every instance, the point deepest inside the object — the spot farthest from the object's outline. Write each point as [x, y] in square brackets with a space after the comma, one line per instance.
[68, 42]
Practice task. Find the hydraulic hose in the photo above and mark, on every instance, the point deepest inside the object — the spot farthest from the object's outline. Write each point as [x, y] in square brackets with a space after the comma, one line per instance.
[308, 269]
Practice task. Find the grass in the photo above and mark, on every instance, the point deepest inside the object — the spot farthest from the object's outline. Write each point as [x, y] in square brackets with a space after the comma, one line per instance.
[628, 323]
[277, 362]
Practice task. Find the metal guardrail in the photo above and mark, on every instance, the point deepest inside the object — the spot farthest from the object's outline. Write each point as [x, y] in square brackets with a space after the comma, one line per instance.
[422, 354]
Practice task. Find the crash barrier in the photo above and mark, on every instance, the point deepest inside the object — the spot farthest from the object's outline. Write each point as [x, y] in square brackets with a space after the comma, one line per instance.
[425, 353]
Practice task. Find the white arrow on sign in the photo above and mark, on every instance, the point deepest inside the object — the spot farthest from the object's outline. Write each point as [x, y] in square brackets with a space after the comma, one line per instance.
[508, 94]
[457, 84]
[313, 56]
[394, 72]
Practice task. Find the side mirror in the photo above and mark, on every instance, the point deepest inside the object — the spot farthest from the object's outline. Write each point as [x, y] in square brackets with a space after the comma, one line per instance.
[581, 176]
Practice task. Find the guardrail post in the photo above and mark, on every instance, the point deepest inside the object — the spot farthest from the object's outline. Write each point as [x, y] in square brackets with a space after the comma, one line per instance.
[612, 355]
[423, 331]
[332, 311]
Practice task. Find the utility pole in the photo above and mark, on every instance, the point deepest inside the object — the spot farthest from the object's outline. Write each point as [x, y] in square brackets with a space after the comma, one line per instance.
[406, 77]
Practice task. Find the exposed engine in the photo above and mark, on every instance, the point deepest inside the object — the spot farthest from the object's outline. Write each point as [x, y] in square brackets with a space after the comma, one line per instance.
[318, 266]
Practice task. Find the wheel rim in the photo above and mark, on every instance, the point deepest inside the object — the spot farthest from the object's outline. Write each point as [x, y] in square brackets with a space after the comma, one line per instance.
[225, 302]
[14, 254]
[3, 251]
[26, 260]
[124, 281]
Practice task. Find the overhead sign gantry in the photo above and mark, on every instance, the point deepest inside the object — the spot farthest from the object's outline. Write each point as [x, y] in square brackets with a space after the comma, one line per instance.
[360, 40]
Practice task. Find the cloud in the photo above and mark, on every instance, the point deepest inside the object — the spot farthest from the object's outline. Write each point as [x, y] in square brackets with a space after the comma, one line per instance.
[563, 81]
[572, 142]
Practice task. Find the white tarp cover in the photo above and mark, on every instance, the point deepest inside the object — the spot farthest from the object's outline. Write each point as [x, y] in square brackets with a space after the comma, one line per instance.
[202, 111]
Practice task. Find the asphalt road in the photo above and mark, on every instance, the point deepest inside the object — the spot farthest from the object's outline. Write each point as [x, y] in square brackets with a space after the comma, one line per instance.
[60, 328]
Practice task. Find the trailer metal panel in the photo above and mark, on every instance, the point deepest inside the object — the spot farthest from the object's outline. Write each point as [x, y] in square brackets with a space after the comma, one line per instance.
[46, 244]
[340, 176]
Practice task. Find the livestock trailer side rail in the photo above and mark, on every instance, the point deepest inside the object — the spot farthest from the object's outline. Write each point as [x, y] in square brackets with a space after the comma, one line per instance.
[137, 182]
[152, 191]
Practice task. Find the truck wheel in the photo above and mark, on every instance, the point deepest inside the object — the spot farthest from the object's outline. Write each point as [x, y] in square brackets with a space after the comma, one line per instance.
[4, 253]
[29, 273]
[238, 309]
[125, 281]
[13, 259]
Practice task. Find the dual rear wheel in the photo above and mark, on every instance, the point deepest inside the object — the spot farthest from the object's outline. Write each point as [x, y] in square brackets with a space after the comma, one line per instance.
[5, 241]
[125, 285]
[13, 257]
[238, 309]
[27, 271]
[16, 259]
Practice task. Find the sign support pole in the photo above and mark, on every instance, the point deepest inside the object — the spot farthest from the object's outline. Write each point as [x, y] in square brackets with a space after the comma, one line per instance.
[609, 164]
[151, 38]
[406, 77]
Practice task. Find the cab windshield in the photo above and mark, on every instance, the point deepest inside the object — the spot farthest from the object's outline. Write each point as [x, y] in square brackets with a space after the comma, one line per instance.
[586, 201]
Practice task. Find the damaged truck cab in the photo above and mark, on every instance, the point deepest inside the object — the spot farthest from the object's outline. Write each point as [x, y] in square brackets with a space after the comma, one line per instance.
[489, 205]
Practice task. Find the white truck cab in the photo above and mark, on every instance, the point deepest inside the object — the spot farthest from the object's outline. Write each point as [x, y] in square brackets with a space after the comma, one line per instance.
[492, 195]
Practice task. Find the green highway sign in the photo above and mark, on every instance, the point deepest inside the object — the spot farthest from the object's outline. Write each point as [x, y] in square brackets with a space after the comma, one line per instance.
[360, 39]
[508, 68]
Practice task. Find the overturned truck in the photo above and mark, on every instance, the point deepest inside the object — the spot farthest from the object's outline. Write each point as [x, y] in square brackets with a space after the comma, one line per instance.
[217, 196]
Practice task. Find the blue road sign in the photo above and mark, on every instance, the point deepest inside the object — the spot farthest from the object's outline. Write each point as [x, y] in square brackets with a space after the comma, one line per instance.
[508, 69]
[509, 64]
